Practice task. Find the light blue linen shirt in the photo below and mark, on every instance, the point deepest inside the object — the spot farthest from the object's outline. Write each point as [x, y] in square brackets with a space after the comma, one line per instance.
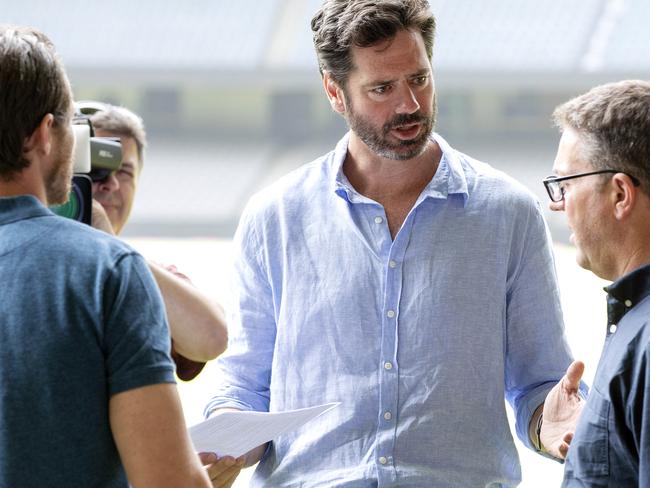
[419, 337]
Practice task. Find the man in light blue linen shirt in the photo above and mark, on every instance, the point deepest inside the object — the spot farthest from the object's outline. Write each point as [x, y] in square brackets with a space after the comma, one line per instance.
[411, 283]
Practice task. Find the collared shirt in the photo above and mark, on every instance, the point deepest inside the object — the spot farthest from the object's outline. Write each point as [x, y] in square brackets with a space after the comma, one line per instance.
[419, 337]
[611, 446]
[81, 320]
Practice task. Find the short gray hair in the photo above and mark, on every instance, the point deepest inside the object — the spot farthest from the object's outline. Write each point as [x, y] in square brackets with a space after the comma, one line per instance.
[613, 123]
[122, 122]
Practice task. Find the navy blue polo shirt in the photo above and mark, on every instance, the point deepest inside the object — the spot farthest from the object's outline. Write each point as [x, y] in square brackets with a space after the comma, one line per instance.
[81, 320]
[611, 447]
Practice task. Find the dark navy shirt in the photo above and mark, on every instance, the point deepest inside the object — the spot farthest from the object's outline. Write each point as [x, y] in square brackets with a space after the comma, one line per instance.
[611, 447]
[81, 320]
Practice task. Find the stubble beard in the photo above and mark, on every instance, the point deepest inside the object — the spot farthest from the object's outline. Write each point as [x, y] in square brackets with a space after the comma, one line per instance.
[377, 139]
[58, 182]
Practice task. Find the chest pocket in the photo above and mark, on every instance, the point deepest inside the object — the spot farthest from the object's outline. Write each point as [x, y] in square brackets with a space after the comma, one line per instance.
[588, 458]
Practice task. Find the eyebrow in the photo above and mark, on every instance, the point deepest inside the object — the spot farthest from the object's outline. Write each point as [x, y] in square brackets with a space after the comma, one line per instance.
[558, 171]
[422, 72]
[128, 164]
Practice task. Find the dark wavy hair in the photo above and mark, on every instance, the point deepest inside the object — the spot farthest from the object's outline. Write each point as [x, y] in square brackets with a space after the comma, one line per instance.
[341, 24]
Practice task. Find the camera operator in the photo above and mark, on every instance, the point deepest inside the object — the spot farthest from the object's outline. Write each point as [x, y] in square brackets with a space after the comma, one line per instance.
[197, 324]
[87, 394]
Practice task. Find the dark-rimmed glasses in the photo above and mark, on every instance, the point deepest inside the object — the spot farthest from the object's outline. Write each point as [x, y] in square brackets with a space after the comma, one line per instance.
[555, 189]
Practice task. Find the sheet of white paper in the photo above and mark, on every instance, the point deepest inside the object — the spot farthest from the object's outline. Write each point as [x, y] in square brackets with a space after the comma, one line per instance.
[236, 433]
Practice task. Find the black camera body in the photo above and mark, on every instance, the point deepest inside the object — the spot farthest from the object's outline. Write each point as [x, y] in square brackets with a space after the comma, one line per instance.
[95, 158]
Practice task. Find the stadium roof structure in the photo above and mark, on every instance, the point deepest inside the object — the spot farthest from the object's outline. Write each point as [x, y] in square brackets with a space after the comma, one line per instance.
[269, 41]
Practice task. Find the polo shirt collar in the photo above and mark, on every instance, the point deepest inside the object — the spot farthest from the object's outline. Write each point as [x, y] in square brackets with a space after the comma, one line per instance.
[21, 207]
[626, 292]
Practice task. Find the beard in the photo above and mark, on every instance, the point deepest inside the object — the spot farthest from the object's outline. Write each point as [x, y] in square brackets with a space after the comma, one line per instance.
[378, 139]
[58, 182]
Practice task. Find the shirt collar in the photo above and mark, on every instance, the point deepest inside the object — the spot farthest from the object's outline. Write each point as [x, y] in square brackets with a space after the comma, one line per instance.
[449, 178]
[21, 207]
[626, 292]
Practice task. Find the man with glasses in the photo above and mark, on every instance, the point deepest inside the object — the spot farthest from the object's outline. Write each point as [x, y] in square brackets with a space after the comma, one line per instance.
[601, 178]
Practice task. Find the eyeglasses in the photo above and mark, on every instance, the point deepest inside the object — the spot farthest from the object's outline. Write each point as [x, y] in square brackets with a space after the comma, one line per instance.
[555, 188]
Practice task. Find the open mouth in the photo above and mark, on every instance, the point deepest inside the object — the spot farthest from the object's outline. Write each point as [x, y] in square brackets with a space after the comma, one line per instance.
[407, 131]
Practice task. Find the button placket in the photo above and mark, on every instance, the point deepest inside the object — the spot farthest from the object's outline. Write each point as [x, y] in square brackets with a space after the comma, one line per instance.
[388, 401]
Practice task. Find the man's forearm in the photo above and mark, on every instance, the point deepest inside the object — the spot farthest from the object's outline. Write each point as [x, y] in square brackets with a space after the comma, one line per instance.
[151, 437]
[197, 324]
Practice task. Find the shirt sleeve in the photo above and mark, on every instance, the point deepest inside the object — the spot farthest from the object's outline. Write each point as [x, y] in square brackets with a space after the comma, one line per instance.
[245, 367]
[537, 353]
[136, 335]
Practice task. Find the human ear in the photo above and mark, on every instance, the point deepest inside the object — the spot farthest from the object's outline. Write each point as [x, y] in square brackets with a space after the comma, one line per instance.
[41, 138]
[624, 194]
[334, 93]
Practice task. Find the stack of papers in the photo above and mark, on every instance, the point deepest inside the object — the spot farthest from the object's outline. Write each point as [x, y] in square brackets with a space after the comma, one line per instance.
[233, 434]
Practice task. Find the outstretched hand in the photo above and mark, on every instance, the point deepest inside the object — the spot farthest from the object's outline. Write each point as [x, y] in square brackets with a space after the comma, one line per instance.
[562, 409]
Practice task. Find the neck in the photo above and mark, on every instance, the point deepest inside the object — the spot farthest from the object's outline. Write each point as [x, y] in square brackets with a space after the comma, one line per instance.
[22, 184]
[629, 247]
[377, 177]
[638, 257]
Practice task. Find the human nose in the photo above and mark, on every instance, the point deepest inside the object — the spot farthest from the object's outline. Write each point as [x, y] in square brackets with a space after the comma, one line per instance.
[109, 184]
[557, 206]
[408, 103]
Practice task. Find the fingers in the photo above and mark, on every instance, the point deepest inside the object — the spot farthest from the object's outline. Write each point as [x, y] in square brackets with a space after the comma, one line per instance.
[228, 477]
[574, 374]
[564, 449]
[222, 471]
[207, 458]
[99, 219]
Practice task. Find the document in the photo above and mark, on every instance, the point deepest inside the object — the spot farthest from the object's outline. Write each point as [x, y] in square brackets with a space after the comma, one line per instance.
[235, 433]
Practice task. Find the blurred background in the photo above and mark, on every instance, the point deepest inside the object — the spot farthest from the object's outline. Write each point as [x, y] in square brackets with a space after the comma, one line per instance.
[232, 99]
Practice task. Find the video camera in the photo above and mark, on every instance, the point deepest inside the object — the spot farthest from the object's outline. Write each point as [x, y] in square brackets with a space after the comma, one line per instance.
[95, 158]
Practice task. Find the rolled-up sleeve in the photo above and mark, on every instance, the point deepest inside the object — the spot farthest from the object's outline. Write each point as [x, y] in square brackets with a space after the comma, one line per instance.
[245, 368]
[537, 351]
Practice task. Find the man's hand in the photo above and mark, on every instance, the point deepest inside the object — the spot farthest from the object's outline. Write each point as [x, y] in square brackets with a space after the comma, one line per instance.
[99, 219]
[222, 471]
[562, 409]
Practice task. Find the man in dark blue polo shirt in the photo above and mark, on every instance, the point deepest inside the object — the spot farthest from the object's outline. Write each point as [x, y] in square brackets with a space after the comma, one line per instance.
[602, 181]
[87, 394]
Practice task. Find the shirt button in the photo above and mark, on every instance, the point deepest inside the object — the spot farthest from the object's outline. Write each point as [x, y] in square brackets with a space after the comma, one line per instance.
[390, 314]
[628, 303]
[392, 264]
[612, 328]
[388, 415]
[378, 220]
[388, 365]
[383, 460]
